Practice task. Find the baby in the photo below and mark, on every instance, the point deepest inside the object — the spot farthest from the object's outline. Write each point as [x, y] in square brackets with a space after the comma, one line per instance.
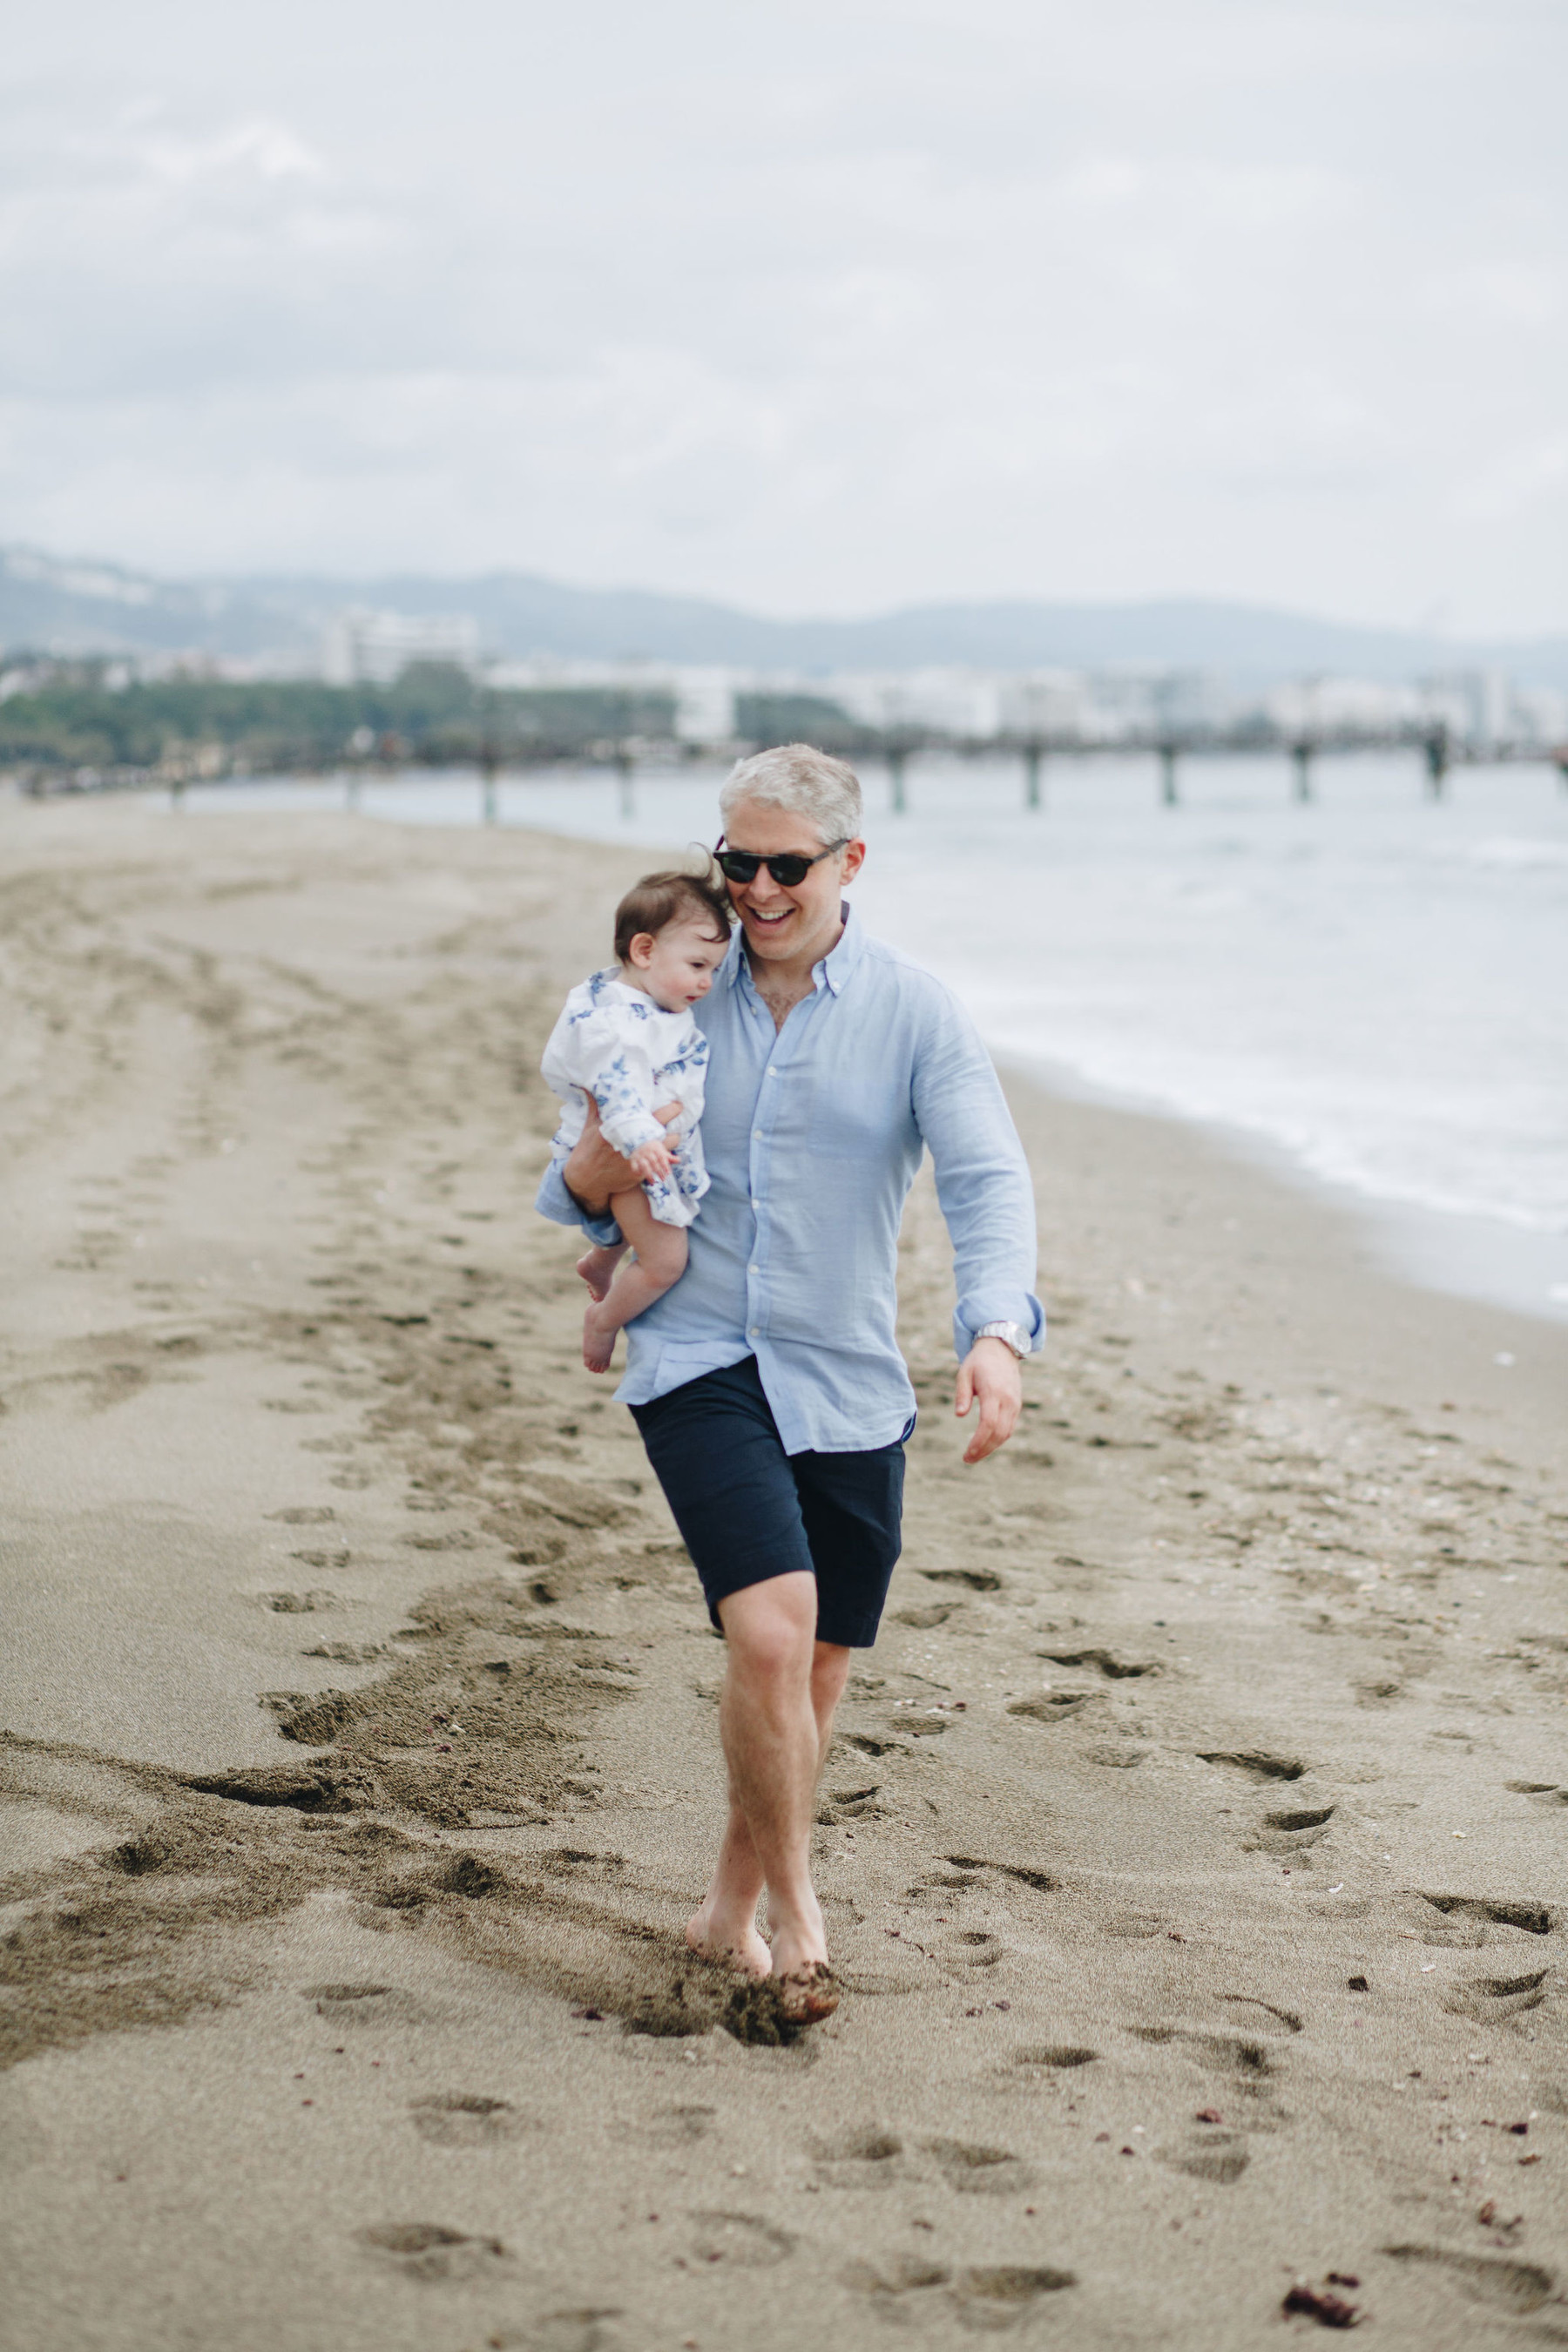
[627, 1037]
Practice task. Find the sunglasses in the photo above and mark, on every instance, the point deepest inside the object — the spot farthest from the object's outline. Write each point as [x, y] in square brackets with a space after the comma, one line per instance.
[788, 871]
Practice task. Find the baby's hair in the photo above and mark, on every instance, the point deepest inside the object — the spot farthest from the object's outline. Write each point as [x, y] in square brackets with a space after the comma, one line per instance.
[660, 900]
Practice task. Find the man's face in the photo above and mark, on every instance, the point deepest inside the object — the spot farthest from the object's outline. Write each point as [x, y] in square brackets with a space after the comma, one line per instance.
[780, 924]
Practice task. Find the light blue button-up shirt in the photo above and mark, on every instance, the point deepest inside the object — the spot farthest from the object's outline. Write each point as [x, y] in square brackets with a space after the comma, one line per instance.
[813, 1134]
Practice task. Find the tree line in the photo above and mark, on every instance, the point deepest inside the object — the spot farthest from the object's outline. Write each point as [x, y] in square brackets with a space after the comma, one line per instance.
[434, 714]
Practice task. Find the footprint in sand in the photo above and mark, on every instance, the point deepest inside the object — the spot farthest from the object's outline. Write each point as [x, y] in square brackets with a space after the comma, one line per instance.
[678, 2127]
[1218, 2155]
[305, 1515]
[590, 2329]
[972, 1948]
[1290, 1831]
[1255, 1763]
[429, 2251]
[456, 2119]
[1244, 2062]
[1515, 2288]
[1494, 2000]
[374, 2005]
[923, 1621]
[306, 1788]
[850, 1805]
[1057, 2055]
[1469, 1919]
[989, 2296]
[740, 2240]
[1024, 1873]
[976, 2170]
[994, 2295]
[1114, 1669]
[1543, 1793]
[1056, 1706]
[974, 1580]
[865, 2157]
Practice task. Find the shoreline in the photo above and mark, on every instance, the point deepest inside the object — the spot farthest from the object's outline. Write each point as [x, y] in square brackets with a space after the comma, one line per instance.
[1458, 1253]
[1489, 1256]
[358, 1685]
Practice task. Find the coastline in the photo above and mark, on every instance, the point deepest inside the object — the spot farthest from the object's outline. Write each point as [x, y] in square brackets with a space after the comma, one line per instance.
[1237, 1678]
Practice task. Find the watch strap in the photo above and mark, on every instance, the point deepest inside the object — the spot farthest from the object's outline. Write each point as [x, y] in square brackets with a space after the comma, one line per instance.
[1012, 1335]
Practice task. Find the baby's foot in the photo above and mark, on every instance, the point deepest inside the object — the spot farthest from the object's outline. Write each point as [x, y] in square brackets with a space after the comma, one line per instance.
[597, 1269]
[598, 1345]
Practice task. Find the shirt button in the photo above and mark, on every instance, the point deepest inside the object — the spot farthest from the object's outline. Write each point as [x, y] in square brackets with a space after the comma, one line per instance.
[756, 1135]
[753, 1333]
[753, 1269]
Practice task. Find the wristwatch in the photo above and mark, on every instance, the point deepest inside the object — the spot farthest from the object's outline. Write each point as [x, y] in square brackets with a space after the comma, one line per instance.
[1012, 1335]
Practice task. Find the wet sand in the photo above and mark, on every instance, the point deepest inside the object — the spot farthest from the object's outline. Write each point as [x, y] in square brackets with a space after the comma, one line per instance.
[1192, 1846]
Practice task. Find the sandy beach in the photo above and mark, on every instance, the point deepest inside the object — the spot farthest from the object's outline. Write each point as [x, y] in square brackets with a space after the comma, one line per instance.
[1192, 1845]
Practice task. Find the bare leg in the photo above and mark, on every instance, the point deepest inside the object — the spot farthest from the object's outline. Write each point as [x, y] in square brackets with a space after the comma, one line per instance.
[659, 1260]
[725, 1928]
[781, 1688]
[598, 1267]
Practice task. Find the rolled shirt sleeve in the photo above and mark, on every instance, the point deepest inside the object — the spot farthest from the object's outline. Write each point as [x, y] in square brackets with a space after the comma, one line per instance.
[553, 1201]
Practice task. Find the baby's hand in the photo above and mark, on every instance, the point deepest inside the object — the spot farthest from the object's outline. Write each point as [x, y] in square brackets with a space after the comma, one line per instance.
[651, 1163]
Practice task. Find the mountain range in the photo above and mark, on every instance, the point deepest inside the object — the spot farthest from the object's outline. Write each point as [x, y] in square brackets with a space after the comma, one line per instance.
[50, 604]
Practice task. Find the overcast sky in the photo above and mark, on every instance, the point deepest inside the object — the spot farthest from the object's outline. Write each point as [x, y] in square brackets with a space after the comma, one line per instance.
[815, 307]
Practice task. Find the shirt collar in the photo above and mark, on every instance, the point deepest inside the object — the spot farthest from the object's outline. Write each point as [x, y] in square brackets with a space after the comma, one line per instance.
[833, 968]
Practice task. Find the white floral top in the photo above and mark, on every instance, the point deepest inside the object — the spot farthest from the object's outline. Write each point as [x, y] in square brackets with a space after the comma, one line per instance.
[615, 1043]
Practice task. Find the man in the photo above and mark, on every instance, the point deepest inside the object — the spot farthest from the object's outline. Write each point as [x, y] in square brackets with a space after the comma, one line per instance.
[768, 1384]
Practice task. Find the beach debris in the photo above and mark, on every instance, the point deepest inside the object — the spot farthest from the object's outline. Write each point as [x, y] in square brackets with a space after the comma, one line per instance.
[1328, 2310]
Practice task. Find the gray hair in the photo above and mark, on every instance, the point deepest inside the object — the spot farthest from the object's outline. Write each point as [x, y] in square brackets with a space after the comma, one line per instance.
[797, 777]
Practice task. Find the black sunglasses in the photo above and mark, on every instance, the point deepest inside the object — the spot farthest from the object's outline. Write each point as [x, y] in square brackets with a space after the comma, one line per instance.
[788, 871]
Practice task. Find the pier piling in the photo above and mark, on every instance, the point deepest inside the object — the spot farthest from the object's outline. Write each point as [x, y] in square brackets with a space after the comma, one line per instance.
[1302, 758]
[624, 766]
[897, 757]
[1168, 774]
[1437, 753]
[1034, 759]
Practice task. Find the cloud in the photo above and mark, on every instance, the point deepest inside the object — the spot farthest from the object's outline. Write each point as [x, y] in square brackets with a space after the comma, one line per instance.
[857, 303]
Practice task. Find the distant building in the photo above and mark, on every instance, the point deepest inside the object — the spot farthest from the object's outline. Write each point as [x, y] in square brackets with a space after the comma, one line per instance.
[1054, 704]
[705, 704]
[1313, 708]
[1542, 713]
[365, 648]
[946, 701]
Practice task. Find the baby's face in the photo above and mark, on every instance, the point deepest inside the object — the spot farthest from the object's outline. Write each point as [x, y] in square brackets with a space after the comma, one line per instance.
[677, 965]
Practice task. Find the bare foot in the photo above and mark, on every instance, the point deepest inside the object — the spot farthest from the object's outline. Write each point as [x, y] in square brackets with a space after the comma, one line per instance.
[737, 1947]
[598, 1345]
[808, 1992]
[597, 1270]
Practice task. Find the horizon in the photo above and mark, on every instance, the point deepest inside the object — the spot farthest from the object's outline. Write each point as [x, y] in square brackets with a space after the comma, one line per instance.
[420, 574]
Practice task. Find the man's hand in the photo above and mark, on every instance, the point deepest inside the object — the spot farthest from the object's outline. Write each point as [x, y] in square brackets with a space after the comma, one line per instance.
[991, 1372]
[595, 1172]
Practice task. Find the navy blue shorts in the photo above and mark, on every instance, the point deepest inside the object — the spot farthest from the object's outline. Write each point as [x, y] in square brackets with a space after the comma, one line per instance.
[748, 1510]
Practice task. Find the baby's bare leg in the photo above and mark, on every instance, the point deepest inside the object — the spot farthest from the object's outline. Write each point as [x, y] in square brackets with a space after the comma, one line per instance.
[598, 1267]
[660, 1260]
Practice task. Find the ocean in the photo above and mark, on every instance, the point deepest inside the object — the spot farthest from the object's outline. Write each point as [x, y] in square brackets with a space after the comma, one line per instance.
[1371, 989]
